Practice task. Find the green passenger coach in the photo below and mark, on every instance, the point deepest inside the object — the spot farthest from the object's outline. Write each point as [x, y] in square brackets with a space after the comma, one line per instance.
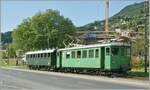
[43, 58]
[105, 57]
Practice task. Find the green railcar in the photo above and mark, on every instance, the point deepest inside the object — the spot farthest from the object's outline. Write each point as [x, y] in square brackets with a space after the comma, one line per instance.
[43, 58]
[112, 57]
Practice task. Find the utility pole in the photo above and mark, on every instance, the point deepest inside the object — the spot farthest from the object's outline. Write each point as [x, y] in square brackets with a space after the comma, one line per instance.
[146, 6]
[106, 15]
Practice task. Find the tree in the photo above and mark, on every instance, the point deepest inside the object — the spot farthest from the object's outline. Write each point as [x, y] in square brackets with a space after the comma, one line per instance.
[138, 46]
[44, 30]
[11, 50]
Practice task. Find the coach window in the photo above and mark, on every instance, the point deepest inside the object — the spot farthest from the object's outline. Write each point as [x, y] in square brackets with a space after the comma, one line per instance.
[27, 56]
[73, 54]
[78, 54]
[67, 55]
[107, 51]
[115, 51]
[41, 55]
[33, 55]
[97, 53]
[45, 54]
[38, 55]
[49, 54]
[85, 54]
[91, 53]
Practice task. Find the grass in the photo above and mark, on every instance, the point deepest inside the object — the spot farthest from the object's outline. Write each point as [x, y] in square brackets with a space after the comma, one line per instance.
[139, 74]
[4, 63]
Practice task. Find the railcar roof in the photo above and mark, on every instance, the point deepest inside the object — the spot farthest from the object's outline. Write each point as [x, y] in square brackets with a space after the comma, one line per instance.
[96, 45]
[41, 51]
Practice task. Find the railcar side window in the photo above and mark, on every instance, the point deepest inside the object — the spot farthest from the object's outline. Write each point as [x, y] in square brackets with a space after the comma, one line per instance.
[67, 55]
[78, 54]
[97, 53]
[73, 54]
[91, 53]
[85, 54]
[115, 51]
[107, 51]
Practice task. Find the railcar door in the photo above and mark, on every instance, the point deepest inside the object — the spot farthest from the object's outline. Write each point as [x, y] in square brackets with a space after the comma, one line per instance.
[102, 57]
[60, 58]
[107, 58]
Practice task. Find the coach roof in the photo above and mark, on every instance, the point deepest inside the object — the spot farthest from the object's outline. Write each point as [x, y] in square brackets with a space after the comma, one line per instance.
[41, 51]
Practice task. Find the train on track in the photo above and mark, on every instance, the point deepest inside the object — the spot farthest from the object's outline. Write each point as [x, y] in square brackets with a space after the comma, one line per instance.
[108, 57]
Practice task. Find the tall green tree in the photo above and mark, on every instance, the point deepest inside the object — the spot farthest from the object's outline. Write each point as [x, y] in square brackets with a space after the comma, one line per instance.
[11, 51]
[44, 30]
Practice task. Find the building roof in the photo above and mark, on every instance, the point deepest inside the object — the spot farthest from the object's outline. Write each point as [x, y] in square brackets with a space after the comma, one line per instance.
[88, 36]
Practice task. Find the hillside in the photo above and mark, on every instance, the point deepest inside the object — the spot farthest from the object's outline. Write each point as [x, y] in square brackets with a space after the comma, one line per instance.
[131, 17]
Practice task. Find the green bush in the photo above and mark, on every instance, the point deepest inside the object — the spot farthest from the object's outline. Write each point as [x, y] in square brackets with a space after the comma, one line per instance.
[139, 64]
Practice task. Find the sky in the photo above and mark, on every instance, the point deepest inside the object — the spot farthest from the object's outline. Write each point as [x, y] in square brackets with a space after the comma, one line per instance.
[81, 12]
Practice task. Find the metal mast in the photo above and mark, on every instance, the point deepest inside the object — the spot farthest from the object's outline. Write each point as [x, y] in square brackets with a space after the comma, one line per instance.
[106, 15]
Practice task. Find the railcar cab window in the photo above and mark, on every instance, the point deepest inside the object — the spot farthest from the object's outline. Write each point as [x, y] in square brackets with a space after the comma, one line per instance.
[115, 51]
[85, 54]
[122, 51]
[107, 51]
[78, 54]
[128, 51]
[91, 53]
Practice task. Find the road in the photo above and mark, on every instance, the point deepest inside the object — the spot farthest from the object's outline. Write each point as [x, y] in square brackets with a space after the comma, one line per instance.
[14, 79]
